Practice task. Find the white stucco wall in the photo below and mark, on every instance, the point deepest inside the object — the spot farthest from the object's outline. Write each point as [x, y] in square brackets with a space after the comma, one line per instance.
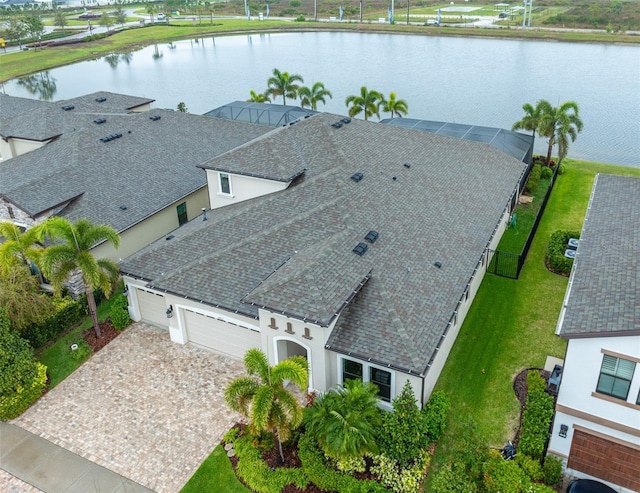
[242, 188]
[13, 147]
[577, 406]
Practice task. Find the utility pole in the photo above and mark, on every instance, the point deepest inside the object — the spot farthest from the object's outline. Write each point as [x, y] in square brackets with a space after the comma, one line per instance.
[407, 12]
[360, 11]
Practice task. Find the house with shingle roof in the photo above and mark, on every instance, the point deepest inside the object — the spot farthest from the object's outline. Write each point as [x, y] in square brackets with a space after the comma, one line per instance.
[357, 245]
[134, 171]
[596, 429]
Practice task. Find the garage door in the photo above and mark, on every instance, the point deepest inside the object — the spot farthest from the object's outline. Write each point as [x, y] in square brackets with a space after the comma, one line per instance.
[153, 308]
[220, 335]
[604, 459]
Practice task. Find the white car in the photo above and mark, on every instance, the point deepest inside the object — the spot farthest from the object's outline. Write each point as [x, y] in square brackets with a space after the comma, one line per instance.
[160, 16]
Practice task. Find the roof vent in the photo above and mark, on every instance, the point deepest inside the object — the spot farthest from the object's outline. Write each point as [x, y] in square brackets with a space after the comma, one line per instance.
[169, 237]
[123, 207]
[360, 249]
[100, 100]
[346, 119]
[68, 107]
[357, 177]
[372, 236]
[394, 178]
[407, 165]
[155, 118]
[111, 137]
[336, 124]
[438, 265]
[99, 121]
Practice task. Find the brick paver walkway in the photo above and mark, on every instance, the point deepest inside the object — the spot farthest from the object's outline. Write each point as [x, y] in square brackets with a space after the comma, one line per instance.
[144, 407]
[11, 484]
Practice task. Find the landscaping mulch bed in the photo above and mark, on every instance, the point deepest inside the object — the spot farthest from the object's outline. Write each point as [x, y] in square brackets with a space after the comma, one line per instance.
[109, 333]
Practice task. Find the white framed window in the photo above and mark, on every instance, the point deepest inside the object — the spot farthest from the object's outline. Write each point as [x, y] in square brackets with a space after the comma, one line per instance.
[615, 377]
[224, 180]
[383, 379]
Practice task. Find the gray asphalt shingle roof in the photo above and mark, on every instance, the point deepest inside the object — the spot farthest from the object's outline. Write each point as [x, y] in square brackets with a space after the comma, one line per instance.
[11, 106]
[604, 296]
[153, 164]
[291, 251]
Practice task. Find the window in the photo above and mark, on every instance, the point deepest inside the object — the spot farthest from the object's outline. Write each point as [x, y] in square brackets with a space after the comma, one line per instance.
[351, 370]
[615, 377]
[182, 213]
[383, 380]
[225, 184]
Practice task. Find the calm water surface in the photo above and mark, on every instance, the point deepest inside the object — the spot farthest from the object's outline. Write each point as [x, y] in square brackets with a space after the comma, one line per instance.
[475, 81]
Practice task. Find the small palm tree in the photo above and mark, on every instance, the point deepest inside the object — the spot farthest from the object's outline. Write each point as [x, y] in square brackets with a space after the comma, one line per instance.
[258, 97]
[344, 420]
[532, 116]
[283, 84]
[18, 246]
[314, 95]
[367, 102]
[262, 397]
[71, 252]
[558, 125]
[397, 107]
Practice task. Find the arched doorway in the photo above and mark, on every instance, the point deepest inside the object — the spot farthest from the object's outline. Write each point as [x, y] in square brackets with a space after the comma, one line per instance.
[286, 348]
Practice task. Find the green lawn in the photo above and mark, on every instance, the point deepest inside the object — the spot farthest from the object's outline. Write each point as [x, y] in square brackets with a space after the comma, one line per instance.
[511, 323]
[57, 357]
[215, 474]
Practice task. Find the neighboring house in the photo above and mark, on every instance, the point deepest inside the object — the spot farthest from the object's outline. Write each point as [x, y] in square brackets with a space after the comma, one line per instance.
[269, 114]
[357, 245]
[597, 422]
[136, 172]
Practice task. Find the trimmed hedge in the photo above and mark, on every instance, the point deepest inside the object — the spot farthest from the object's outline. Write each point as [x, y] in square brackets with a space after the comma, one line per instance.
[503, 476]
[435, 414]
[317, 472]
[552, 470]
[556, 260]
[22, 378]
[536, 419]
[534, 179]
[68, 313]
[119, 314]
[258, 476]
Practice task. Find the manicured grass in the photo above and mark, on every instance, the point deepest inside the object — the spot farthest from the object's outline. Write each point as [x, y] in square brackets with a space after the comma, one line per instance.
[511, 324]
[214, 474]
[57, 357]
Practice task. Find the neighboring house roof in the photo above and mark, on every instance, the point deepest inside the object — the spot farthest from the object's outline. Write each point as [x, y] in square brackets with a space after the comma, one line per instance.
[291, 251]
[605, 282]
[272, 115]
[11, 106]
[516, 144]
[49, 120]
[151, 165]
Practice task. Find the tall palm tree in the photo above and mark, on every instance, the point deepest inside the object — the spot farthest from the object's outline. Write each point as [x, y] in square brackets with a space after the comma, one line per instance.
[344, 420]
[314, 95]
[395, 106]
[71, 252]
[532, 116]
[262, 397]
[367, 102]
[258, 97]
[558, 124]
[283, 84]
[18, 247]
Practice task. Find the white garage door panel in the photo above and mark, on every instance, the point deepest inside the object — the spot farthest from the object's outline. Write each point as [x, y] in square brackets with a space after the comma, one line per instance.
[219, 335]
[153, 308]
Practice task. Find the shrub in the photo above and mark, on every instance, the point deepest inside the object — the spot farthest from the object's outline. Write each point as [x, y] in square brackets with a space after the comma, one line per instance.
[534, 179]
[400, 479]
[561, 169]
[300, 18]
[538, 488]
[257, 475]
[231, 435]
[546, 173]
[82, 352]
[536, 418]
[435, 414]
[316, 471]
[295, 3]
[535, 382]
[68, 313]
[22, 378]
[453, 479]
[119, 313]
[552, 470]
[351, 465]
[529, 466]
[503, 476]
[555, 251]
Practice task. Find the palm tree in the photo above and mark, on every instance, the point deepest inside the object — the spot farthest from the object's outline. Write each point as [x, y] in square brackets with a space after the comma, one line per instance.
[71, 252]
[18, 247]
[344, 420]
[314, 95]
[258, 97]
[262, 397]
[558, 125]
[283, 84]
[531, 119]
[368, 102]
[395, 106]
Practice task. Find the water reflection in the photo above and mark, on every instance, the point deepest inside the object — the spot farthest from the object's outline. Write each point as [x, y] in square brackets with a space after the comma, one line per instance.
[115, 58]
[41, 85]
[157, 54]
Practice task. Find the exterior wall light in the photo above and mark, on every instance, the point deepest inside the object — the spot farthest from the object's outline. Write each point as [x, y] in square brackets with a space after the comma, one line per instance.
[125, 291]
[563, 431]
[170, 311]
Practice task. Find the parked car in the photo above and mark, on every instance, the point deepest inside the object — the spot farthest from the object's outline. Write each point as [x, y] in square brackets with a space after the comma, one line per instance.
[588, 486]
[160, 16]
[502, 15]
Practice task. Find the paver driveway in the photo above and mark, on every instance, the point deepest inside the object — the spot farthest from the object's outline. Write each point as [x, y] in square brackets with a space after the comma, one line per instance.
[144, 407]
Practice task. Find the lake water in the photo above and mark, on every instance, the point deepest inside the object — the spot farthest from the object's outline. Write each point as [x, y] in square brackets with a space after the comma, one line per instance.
[475, 81]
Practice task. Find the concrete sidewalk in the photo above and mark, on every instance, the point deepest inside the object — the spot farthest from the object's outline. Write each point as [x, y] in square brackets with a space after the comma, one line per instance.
[54, 469]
